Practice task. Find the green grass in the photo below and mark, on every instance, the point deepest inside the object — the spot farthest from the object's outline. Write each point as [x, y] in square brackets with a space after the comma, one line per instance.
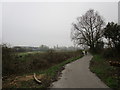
[26, 53]
[52, 71]
[104, 71]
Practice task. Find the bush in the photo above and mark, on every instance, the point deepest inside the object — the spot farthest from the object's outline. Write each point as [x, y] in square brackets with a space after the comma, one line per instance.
[112, 34]
[111, 54]
[9, 64]
[108, 53]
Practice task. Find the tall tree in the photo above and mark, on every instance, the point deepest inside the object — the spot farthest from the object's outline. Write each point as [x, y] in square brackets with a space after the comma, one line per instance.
[112, 33]
[88, 29]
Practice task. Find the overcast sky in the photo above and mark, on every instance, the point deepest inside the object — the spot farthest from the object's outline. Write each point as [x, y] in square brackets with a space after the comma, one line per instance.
[119, 12]
[49, 23]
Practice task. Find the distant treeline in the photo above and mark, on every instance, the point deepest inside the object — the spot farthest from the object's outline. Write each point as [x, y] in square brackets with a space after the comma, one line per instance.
[42, 48]
[28, 48]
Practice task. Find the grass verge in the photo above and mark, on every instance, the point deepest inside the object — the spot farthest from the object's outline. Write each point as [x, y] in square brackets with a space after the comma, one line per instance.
[55, 71]
[104, 71]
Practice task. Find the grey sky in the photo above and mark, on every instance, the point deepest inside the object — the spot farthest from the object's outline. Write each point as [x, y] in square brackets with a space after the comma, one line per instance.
[0, 23]
[48, 23]
[119, 12]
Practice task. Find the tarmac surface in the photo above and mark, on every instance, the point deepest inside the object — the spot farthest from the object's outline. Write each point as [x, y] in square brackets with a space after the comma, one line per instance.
[78, 75]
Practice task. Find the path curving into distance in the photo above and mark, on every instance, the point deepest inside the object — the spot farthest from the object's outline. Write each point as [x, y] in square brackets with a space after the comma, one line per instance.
[78, 75]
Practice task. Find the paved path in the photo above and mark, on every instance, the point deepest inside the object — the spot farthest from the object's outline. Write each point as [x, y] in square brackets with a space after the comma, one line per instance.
[78, 75]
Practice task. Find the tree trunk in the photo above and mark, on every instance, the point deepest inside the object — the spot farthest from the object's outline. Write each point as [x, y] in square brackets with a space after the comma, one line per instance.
[92, 48]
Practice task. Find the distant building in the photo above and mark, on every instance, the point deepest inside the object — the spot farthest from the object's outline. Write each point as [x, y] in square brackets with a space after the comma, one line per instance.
[119, 12]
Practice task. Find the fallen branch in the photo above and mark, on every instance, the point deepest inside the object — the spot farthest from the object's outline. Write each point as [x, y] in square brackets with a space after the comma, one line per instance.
[35, 78]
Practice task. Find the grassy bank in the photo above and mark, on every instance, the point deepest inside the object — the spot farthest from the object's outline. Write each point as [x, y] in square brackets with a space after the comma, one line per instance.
[47, 67]
[104, 71]
[51, 75]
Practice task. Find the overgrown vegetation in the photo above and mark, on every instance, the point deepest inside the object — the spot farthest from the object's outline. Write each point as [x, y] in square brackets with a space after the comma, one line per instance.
[101, 64]
[16, 66]
[112, 34]
[108, 74]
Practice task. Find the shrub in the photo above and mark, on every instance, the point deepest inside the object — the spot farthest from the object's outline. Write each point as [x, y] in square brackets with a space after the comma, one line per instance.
[9, 64]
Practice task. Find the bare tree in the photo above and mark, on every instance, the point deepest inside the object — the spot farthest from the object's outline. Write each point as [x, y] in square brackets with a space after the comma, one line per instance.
[88, 29]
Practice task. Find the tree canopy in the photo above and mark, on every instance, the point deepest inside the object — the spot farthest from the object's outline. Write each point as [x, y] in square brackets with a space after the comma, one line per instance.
[88, 29]
[112, 33]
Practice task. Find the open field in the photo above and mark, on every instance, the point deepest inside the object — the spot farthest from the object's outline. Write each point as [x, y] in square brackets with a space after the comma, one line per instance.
[26, 53]
[46, 66]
